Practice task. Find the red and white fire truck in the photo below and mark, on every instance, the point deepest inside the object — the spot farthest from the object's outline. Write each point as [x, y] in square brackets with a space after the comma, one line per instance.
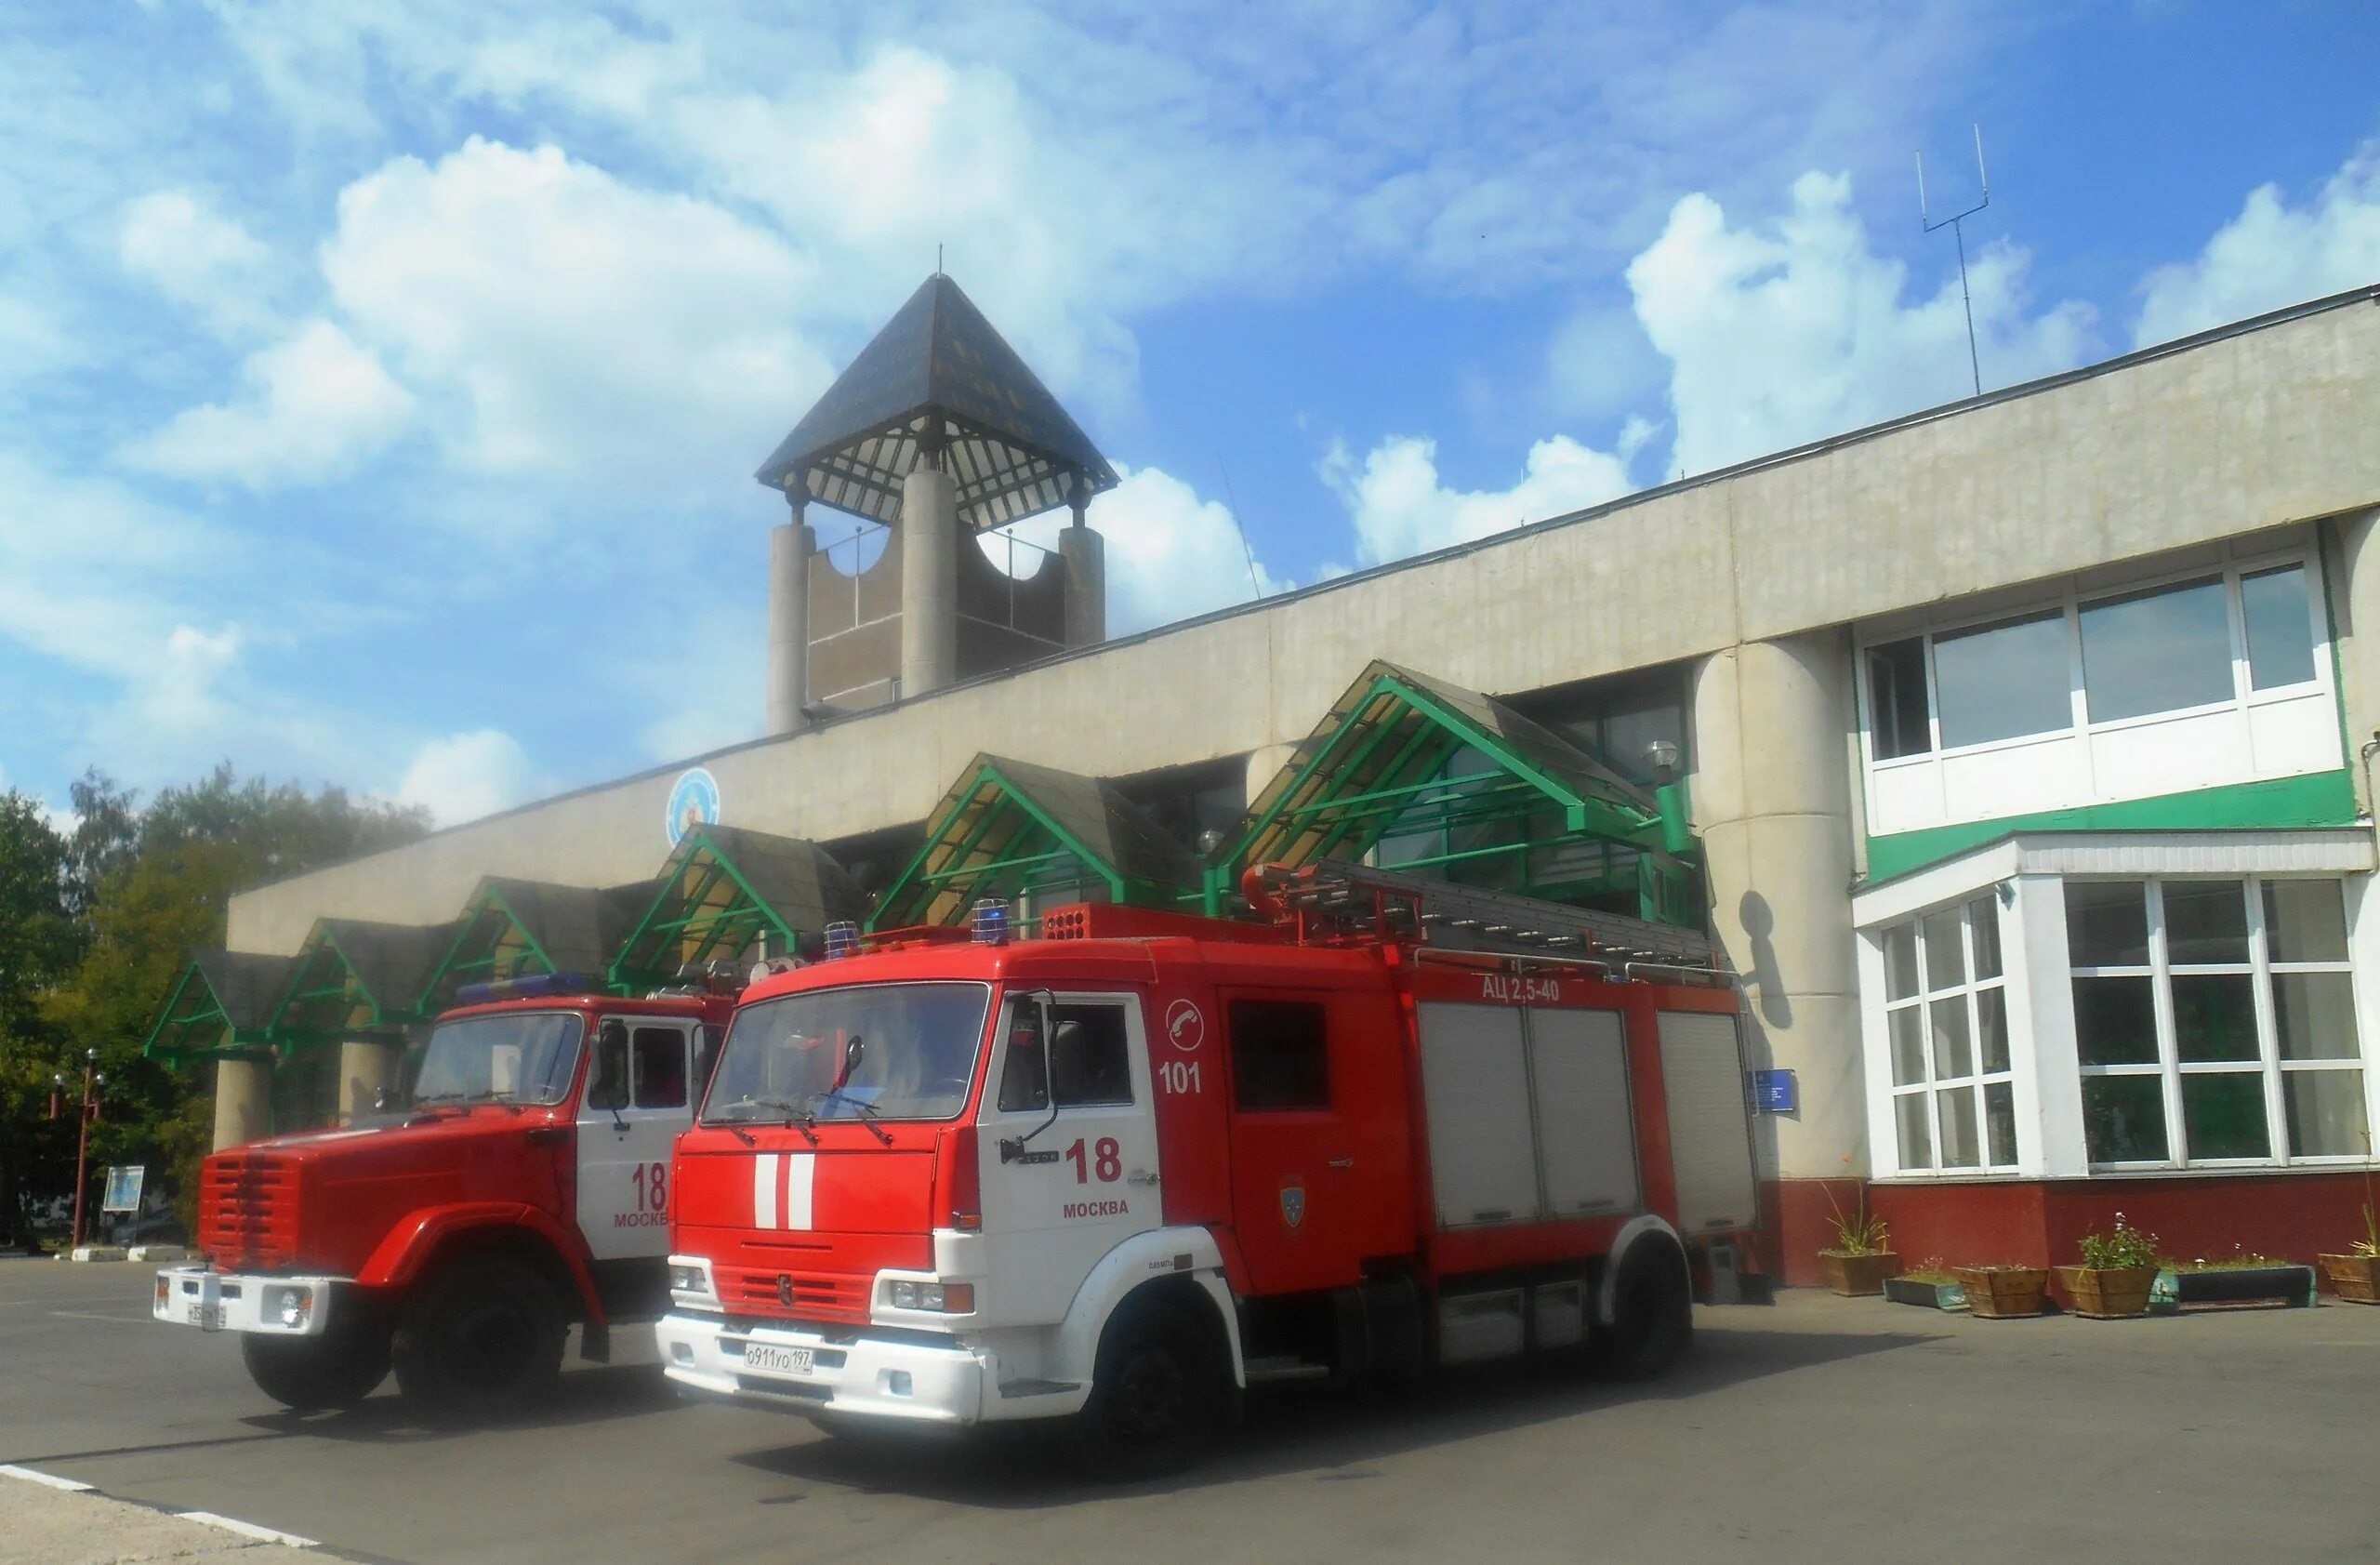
[524, 1187]
[1128, 1169]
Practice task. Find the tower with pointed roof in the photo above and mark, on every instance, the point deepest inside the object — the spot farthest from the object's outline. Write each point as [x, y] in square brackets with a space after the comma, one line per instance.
[939, 431]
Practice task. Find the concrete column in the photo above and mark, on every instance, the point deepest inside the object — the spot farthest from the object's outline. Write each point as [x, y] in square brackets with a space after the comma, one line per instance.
[242, 1102]
[2350, 558]
[365, 1066]
[929, 579]
[1772, 802]
[791, 547]
[1084, 555]
[1264, 764]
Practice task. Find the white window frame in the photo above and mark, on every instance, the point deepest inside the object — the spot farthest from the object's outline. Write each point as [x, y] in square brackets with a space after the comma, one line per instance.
[2268, 1067]
[1968, 992]
[2069, 602]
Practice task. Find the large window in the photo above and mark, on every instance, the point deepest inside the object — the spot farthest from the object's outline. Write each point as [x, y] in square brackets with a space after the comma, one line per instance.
[1946, 1022]
[2214, 1021]
[2225, 637]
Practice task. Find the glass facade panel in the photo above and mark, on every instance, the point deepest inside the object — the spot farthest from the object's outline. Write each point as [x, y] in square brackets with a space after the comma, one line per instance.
[2281, 627]
[1945, 963]
[2305, 921]
[2124, 1119]
[1901, 962]
[1983, 924]
[2325, 1113]
[1896, 699]
[1959, 1146]
[2115, 1020]
[2206, 923]
[2223, 1115]
[2157, 652]
[2004, 682]
[2215, 1017]
[1908, 1026]
[1991, 1029]
[1953, 1048]
[1999, 1123]
[2313, 1014]
[2107, 924]
[1916, 1138]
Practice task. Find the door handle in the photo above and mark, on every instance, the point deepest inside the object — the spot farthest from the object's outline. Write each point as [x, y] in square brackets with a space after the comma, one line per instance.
[1139, 1177]
[1343, 1163]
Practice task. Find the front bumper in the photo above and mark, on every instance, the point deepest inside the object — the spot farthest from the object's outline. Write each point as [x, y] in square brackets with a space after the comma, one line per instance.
[862, 1376]
[217, 1301]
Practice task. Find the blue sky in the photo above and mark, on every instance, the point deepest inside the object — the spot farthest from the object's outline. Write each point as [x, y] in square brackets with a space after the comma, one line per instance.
[379, 386]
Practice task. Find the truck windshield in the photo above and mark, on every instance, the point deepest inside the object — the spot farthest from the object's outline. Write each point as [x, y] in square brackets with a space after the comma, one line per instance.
[881, 1050]
[526, 1056]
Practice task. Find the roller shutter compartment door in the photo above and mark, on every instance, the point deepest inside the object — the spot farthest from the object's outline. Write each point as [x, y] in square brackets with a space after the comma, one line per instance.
[1586, 1135]
[1709, 1120]
[1474, 1083]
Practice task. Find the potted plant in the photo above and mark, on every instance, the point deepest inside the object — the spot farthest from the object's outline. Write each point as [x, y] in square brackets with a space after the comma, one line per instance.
[2356, 1275]
[1862, 1257]
[2243, 1279]
[2003, 1293]
[2118, 1270]
[1931, 1285]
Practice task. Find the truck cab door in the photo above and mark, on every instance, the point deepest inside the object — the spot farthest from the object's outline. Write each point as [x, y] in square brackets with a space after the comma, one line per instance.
[1320, 1175]
[635, 1103]
[1063, 1185]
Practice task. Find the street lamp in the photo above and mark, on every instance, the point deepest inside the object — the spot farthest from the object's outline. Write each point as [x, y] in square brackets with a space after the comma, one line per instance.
[93, 1080]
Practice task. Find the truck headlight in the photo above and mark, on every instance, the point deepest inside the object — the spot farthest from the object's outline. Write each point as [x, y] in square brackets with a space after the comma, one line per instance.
[289, 1306]
[690, 1278]
[944, 1298]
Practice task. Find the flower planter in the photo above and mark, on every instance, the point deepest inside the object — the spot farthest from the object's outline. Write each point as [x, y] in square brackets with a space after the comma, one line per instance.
[2109, 1293]
[1929, 1295]
[2357, 1277]
[2003, 1293]
[2281, 1287]
[1853, 1276]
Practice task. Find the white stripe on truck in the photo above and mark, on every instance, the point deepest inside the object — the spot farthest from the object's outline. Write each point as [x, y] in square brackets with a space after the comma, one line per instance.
[764, 1190]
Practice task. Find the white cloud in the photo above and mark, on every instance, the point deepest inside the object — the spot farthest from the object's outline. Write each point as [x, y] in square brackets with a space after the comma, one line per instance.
[583, 59]
[174, 240]
[316, 406]
[1170, 554]
[1399, 508]
[1781, 338]
[464, 777]
[581, 330]
[2272, 254]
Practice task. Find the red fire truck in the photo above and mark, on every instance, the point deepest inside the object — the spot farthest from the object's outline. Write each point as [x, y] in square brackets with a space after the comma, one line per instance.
[1128, 1169]
[524, 1187]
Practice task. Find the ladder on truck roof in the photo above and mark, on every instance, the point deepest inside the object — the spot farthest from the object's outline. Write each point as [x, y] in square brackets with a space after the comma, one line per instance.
[1358, 898]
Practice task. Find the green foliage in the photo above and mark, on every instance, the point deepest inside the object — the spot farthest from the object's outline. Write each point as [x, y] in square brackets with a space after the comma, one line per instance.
[1862, 1233]
[95, 928]
[2122, 1249]
[1932, 1271]
[2239, 1259]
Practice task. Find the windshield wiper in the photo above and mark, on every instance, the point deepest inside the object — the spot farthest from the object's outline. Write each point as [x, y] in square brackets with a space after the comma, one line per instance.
[467, 1100]
[796, 1115]
[870, 1110]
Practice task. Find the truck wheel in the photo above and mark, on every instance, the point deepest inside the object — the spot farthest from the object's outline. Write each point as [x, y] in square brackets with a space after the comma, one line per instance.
[1652, 1316]
[337, 1369]
[1156, 1394]
[484, 1337]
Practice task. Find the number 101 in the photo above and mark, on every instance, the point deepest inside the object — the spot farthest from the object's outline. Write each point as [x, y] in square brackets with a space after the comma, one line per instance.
[1177, 1076]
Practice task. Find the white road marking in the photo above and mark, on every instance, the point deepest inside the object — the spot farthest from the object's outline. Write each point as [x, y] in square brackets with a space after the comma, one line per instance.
[44, 1479]
[118, 1319]
[247, 1529]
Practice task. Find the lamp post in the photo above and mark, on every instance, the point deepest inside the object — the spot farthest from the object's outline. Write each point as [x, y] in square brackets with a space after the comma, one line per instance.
[93, 1080]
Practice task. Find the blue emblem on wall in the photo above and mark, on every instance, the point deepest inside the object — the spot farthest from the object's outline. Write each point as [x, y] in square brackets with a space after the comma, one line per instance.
[693, 801]
[1292, 1204]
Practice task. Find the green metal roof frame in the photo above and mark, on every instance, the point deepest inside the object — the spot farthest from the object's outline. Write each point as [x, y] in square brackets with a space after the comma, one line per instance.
[211, 1015]
[332, 968]
[1377, 767]
[992, 836]
[707, 903]
[487, 910]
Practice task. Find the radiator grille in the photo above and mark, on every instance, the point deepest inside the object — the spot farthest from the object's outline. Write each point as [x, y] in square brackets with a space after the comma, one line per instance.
[802, 1295]
[248, 1210]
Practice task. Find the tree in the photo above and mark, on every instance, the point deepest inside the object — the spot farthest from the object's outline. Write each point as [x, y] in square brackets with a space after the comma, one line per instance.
[149, 887]
[38, 943]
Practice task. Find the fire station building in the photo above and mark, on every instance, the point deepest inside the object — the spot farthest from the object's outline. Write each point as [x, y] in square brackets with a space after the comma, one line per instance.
[2016, 754]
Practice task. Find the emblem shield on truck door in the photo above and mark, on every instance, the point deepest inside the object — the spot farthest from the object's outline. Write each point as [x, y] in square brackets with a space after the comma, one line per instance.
[1292, 1201]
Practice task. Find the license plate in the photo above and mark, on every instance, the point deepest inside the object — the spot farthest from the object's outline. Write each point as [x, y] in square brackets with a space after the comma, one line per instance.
[206, 1316]
[766, 1358]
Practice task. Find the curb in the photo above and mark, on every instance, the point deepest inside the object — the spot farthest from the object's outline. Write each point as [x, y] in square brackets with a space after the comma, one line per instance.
[97, 1253]
[248, 1530]
[158, 1253]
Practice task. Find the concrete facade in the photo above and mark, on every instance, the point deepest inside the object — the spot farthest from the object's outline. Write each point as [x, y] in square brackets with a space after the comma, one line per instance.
[1767, 581]
[790, 547]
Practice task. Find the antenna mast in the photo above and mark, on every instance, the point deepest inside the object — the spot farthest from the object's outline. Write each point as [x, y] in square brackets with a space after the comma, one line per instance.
[1953, 223]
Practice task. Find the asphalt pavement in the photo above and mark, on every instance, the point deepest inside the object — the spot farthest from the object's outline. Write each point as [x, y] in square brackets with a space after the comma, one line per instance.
[1820, 1429]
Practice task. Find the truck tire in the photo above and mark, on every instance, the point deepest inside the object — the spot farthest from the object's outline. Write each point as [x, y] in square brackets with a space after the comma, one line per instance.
[337, 1369]
[484, 1337]
[1156, 1393]
[1652, 1314]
